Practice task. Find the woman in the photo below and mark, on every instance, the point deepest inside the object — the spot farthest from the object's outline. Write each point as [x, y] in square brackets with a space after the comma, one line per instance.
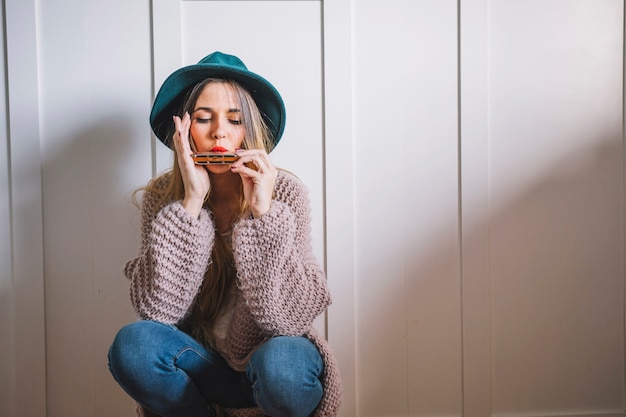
[225, 283]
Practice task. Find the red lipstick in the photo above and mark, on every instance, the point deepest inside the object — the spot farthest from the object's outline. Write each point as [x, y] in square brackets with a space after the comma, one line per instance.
[218, 149]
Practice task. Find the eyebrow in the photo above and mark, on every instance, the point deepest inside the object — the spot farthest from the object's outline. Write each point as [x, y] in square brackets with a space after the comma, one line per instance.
[209, 109]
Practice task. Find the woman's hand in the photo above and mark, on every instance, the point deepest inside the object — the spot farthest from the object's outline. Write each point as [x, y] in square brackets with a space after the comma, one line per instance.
[195, 177]
[258, 184]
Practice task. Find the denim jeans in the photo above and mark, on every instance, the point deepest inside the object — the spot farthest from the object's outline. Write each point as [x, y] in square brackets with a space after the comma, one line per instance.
[166, 370]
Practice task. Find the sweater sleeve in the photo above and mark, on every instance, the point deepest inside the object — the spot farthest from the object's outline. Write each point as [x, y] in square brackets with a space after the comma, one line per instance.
[279, 278]
[173, 258]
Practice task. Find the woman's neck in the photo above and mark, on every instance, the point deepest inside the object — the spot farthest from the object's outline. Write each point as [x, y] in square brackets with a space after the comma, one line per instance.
[225, 189]
[225, 186]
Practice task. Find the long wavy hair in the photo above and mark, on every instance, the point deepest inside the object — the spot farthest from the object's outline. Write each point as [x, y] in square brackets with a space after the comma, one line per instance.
[218, 284]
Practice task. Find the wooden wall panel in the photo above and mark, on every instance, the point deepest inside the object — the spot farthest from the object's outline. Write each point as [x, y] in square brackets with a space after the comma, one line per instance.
[95, 100]
[556, 195]
[7, 392]
[542, 162]
[406, 209]
[23, 287]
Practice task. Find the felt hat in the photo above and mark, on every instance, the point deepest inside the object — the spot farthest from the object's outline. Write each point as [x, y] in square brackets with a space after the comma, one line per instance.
[218, 65]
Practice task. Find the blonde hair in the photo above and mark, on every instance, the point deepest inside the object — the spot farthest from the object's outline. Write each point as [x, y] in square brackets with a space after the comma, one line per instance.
[217, 286]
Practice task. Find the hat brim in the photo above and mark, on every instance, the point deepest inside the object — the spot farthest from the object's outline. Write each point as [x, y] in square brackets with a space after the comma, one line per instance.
[169, 98]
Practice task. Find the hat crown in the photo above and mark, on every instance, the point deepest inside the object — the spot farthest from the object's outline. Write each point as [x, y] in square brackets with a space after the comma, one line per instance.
[221, 59]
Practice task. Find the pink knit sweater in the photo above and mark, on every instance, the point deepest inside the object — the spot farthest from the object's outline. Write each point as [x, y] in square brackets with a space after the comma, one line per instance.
[282, 286]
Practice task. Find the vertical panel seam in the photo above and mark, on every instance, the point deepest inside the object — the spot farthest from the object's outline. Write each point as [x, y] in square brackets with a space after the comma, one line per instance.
[324, 167]
[460, 204]
[623, 204]
[153, 155]
[7, 130]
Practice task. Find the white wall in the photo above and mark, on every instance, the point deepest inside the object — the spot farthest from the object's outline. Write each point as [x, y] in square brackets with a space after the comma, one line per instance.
[95, 95]
[557, 232]
[23, 347]
[466, 166]
[407, 221]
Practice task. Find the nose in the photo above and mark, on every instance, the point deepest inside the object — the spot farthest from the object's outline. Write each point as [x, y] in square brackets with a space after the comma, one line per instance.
[218, 131]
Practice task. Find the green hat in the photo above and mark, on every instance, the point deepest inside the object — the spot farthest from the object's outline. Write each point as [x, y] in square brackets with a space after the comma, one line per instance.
[218, 65]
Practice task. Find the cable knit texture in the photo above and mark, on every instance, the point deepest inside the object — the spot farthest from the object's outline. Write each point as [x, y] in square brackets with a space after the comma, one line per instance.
[282, 286]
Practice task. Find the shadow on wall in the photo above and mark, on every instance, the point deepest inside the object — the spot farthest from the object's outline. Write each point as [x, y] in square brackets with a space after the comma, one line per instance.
[88, 180]
[556, 289]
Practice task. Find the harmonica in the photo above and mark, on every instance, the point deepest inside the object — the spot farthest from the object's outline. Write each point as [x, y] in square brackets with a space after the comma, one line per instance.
[211, 158]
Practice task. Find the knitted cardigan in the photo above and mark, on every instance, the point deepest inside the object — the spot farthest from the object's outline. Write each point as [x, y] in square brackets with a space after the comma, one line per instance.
[282, 287]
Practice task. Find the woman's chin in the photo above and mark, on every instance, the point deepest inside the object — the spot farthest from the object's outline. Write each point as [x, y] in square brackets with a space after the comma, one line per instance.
[218, 169]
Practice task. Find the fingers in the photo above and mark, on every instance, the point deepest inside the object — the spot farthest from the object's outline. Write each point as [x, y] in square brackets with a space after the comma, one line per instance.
[181, 135]
[195, 177]
[253, 162]
[258, 175]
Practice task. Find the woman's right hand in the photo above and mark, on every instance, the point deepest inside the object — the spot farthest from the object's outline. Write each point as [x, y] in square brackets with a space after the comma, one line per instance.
[195, 177]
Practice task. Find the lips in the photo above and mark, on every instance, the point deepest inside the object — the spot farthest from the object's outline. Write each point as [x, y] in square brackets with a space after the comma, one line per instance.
[218, 149]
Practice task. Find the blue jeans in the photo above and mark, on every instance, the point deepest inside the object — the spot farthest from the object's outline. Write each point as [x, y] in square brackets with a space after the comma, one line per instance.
[167, 371]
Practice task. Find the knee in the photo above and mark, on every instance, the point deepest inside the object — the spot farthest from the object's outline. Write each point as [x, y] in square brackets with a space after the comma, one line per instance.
[127, 339]
[285, 372]
[131, 350]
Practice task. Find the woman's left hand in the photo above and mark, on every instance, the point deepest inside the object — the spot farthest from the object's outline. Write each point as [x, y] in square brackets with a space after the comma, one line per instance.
[258, 184]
